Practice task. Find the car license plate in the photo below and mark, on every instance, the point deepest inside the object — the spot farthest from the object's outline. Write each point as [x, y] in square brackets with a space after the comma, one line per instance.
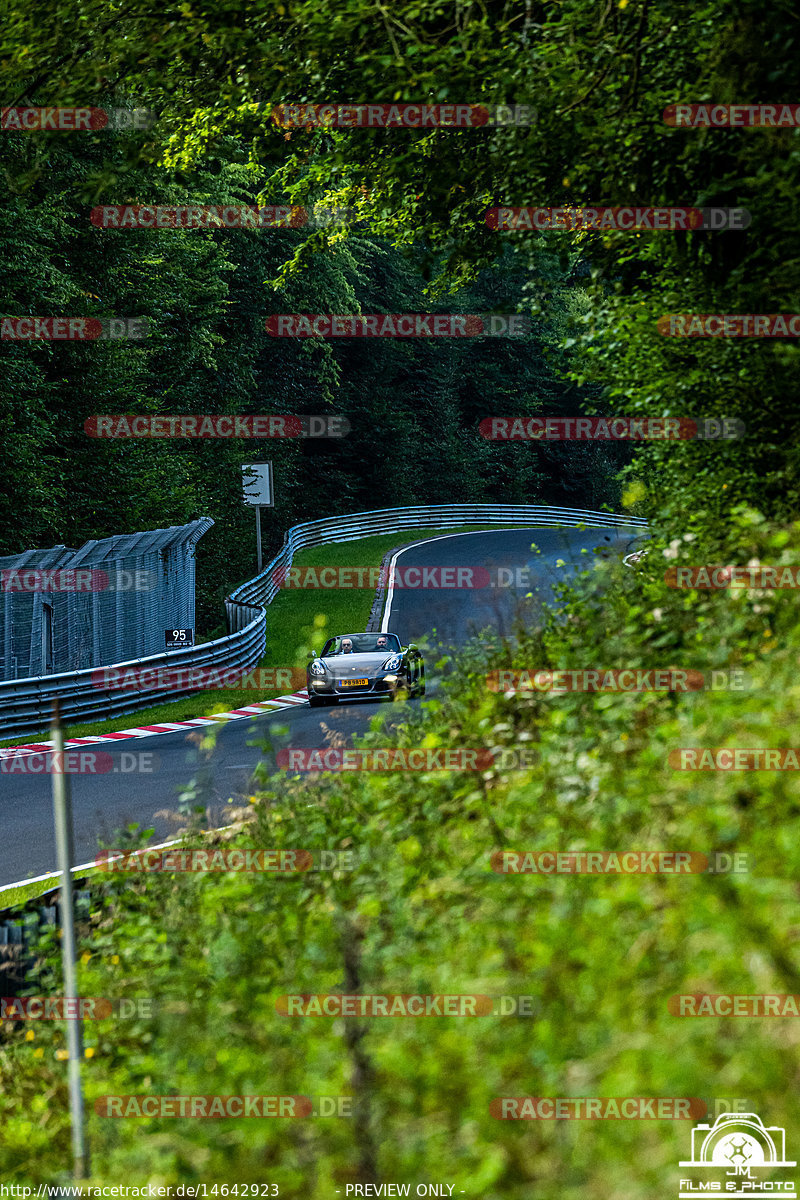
[353, 682]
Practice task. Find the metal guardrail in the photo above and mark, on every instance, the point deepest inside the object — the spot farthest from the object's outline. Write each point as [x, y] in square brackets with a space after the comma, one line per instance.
[21, 926]
[25, 704]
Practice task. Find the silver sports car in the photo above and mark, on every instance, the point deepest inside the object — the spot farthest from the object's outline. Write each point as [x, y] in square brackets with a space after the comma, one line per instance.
[365, 664]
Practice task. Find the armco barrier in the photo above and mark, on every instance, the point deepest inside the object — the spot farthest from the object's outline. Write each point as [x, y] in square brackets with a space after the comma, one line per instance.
[25, 704]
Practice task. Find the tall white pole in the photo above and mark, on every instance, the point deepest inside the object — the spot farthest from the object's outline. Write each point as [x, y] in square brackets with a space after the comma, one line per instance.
[65, 854]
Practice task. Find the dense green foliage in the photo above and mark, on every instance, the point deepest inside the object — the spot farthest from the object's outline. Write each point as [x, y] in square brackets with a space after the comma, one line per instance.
[599, 78]
[419, 910]
[423, 912]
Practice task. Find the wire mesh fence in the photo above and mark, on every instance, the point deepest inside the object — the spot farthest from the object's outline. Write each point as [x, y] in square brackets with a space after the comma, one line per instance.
[111, 600]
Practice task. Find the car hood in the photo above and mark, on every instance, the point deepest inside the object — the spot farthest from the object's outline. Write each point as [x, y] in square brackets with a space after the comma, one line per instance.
[348, 664]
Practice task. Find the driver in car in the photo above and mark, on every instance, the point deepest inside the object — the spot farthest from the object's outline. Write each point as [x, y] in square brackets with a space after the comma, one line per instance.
[382, 643]
[347, 646]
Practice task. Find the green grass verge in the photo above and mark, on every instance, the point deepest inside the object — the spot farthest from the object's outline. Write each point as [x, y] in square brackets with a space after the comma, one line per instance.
[19, 895]
[291, 617]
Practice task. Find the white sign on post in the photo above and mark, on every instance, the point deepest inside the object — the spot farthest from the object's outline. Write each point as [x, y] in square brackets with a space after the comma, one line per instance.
[258, 491]
[257, 482]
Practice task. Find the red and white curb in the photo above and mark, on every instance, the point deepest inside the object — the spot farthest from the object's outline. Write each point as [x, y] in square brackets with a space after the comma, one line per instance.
[236, 714]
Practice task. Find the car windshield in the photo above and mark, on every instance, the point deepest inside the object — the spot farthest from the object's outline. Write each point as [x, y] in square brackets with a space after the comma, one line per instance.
[362, 643]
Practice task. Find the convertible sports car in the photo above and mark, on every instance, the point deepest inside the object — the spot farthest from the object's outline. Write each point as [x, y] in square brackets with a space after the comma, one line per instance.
[365, 664]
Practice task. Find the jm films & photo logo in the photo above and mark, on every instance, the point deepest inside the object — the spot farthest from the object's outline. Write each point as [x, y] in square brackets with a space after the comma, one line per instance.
[731, 1155]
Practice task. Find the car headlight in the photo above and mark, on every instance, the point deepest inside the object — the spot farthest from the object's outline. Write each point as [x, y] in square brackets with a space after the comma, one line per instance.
[317, 668]
[393, 663]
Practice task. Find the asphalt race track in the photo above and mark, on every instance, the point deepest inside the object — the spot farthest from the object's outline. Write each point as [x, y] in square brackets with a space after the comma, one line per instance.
[443, 617]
